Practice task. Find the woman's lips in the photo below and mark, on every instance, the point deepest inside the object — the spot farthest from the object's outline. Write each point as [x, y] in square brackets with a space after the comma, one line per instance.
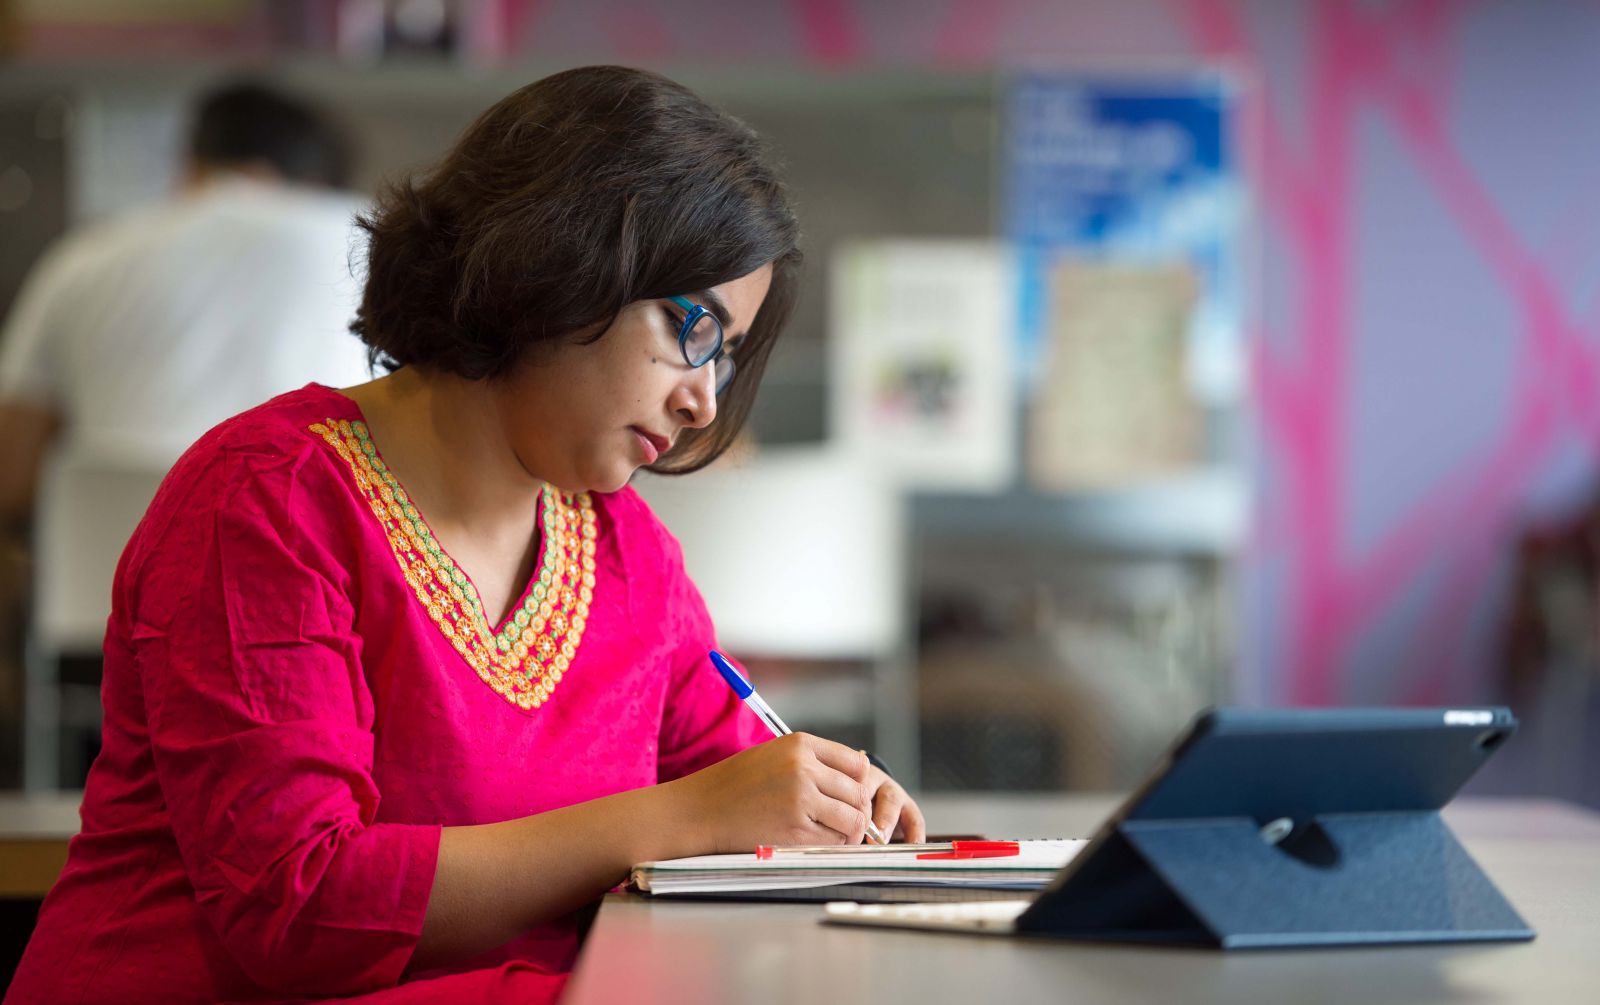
[652, 445]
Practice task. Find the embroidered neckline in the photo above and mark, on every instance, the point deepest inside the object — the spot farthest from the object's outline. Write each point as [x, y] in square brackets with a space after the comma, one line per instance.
[526, 658]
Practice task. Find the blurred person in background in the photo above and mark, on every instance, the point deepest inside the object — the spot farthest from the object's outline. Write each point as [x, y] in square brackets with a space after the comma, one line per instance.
[400, 679]
[134, 335]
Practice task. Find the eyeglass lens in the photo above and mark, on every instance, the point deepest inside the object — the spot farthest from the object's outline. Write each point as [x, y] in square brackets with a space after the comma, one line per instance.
[702, 344]
[703, 340]
[724, 372]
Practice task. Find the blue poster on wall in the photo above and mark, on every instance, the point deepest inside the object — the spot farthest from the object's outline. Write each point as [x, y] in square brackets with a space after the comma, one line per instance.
[1130, 169]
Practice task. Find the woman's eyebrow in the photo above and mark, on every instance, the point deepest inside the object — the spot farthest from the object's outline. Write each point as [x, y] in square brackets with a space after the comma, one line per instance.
[720, 309]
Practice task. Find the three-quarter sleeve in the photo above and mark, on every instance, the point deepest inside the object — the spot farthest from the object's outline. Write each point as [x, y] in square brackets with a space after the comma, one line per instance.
[261, 727]
[703, 721]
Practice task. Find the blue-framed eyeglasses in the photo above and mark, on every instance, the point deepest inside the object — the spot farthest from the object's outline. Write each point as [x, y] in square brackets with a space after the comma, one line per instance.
[700, 340]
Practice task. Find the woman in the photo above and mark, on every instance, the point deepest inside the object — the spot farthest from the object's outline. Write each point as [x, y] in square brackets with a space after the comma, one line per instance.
[400, 679]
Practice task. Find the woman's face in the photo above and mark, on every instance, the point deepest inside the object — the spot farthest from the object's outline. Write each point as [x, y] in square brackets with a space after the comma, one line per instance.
[584, 417]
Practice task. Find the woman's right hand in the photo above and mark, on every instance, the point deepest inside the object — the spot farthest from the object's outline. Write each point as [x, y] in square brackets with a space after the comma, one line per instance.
[792, 790]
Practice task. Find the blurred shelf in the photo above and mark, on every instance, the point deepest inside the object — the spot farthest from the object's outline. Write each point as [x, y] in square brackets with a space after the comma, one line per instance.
[822, 701]
[1204, 513]
[447, 80]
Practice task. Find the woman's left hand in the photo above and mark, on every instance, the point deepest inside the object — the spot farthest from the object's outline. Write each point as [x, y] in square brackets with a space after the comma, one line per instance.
[893, 810]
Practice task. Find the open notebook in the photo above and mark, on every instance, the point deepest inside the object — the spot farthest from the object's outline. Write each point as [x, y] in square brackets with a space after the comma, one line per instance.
[872, 874]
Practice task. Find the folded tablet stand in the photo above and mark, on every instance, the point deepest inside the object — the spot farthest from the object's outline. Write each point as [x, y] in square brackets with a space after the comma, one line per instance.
[1335, 879]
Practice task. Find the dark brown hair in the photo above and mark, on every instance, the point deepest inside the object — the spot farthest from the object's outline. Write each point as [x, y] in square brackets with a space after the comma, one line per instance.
[568, 200]
[246, 122]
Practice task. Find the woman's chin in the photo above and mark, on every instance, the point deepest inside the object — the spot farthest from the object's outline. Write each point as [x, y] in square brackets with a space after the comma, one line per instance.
[611, 479]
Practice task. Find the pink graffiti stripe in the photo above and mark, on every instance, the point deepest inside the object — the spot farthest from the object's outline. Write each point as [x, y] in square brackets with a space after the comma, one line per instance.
[1301, 399]
[970, 31]
[832, 36]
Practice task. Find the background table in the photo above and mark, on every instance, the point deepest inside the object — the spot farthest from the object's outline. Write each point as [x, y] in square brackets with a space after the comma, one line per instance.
[1544, 856]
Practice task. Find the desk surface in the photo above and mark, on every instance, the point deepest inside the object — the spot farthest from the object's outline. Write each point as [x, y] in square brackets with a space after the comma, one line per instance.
[1544, 856]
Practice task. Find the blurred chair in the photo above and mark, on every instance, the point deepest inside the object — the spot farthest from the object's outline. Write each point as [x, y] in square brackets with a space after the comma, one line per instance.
[993, 722]
[800, 554]
[87, 509]
[1550, 658]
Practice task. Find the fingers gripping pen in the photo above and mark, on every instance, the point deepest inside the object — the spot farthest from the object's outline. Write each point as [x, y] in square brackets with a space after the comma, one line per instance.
[747, 693]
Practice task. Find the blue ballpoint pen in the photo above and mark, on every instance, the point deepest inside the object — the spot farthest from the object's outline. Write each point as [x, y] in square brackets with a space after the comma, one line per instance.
[747, 693]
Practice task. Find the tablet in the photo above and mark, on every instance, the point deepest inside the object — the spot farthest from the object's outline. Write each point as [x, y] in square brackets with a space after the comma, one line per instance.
[1277, 764]
[1277, 828]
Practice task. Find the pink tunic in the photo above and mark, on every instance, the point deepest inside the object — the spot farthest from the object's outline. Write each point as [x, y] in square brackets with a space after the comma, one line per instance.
[300, 691]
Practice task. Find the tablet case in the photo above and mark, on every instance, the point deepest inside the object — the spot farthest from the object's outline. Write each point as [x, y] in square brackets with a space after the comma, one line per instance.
[1382, 872]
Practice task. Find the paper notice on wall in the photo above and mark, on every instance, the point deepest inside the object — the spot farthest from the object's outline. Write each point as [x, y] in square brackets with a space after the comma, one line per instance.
[921, 349]
[1114, 406]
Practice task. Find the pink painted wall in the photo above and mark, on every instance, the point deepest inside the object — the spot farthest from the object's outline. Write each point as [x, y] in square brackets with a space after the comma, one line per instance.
[1424, 358]
[1424, 364]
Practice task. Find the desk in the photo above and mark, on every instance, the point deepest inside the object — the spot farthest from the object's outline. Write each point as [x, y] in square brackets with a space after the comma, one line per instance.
[34, 831]
[1544, 856]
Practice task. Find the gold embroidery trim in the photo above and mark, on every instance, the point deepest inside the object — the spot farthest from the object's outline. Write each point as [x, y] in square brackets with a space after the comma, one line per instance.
[526, 659]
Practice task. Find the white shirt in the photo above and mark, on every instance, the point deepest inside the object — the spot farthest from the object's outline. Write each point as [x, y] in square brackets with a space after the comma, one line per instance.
[148, 329]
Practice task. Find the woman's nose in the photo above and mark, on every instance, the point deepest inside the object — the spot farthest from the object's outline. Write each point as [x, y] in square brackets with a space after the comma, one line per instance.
[698, 405]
